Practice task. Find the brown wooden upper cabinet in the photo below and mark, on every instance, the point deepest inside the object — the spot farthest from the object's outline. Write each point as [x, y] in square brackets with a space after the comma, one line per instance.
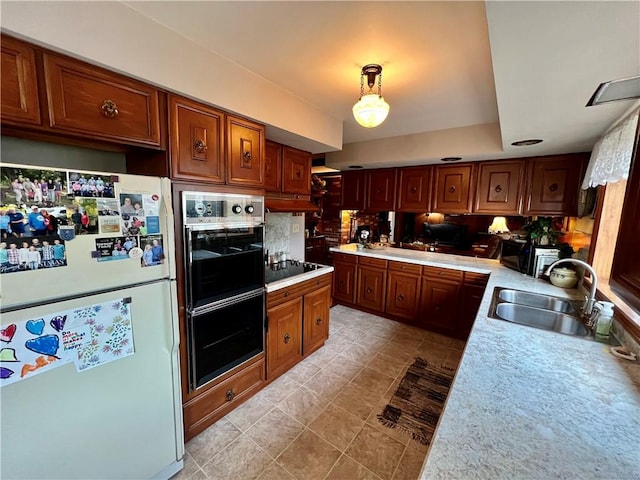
[272, 166]
[381, 188]
[197, 141]
[19, 95]
[245, 152]
[90, 101]
[499, 187]
[415, 189]
[296, 171]
[453, 186]
[353, 190]
[553, 183]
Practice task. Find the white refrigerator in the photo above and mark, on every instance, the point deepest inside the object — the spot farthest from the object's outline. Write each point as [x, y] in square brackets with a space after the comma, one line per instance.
[119, 417]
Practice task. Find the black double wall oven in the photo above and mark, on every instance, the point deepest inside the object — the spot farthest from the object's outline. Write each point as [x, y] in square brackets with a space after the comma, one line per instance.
[224, 255]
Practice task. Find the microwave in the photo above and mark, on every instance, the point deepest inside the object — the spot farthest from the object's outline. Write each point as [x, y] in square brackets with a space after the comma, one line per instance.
[527, 258]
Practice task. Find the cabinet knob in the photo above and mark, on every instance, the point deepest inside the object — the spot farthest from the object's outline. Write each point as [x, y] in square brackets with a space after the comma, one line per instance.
[110, 109]
[553, 187]
[498, 188]
[246, 156]
[369, 290]
[199, 146]
[414, 189]
[318, 321]
[287, 338]
[341, 282]
[298, 173]
[230, 395]
[452, 189]
[286, 294]
[400, 297]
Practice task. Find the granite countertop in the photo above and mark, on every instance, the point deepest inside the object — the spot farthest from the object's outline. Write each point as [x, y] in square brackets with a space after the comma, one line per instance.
[528, 403]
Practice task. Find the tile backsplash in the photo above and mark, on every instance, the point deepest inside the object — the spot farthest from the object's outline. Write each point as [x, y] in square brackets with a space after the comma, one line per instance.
[284, 232]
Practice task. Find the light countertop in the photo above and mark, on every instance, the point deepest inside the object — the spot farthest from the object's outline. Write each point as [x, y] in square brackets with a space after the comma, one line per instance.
[527, 403]
[287, 282]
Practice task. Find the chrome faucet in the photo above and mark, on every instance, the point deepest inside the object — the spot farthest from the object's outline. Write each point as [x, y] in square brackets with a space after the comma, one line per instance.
[590, 301]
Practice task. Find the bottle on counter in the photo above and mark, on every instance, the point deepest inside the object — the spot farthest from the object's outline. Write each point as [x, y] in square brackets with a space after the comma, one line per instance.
[605, 318]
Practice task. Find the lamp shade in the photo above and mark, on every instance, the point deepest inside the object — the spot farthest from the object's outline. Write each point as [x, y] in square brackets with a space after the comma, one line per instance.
[499, 225]
[371, 110]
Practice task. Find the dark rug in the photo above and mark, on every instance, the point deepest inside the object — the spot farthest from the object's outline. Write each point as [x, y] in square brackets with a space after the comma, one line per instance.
[416, 406]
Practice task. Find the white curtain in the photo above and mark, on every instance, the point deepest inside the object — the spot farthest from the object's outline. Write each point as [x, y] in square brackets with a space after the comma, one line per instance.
[611, 155]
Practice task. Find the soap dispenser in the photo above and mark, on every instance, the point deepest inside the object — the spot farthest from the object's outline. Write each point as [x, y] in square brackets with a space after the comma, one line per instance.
[605, 318]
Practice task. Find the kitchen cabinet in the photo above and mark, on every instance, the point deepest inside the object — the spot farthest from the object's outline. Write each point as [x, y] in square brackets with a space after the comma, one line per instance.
[19, 95]
[553, 183]
[472, 292]
[90, 101]
[197, 141]
[371, 283]
[439, 299]
[403, 290]
[453, 188]
[415, 189]
[272, 166]
[245, 152]
[297, 323]
[345, 270]
[499, 188]
[315, 249]
[353, 190]
[316, 319]
[381, 190]
[296, 171]
[284, 337]
[232, 390]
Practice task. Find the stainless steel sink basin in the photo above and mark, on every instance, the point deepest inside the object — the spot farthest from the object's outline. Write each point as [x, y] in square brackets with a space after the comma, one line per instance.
[541, 318]
[537, 300]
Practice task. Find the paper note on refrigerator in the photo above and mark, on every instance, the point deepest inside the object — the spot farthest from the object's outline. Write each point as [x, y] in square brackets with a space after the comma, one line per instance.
[99, 334]
[31, 347]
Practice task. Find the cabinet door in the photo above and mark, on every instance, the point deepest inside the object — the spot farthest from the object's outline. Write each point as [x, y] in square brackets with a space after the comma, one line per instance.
[402, 295]
[439, 305]
[272, 166]
[371, 288]
[196, 141]
[245, 152]
[316, 319]
[499, 187]
[381, 188]
[296, 171]
[415, 189]
[19, 95]
[353, 190]
[89, 100]
[344, 285]
[471, 299]
[453, 189]
[553, 184]
[284, 337]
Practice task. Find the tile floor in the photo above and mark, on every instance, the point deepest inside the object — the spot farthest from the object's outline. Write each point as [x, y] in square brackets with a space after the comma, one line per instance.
[318, 420]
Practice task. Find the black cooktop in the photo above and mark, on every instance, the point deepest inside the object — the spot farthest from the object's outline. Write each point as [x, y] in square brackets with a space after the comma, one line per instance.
[290, 268]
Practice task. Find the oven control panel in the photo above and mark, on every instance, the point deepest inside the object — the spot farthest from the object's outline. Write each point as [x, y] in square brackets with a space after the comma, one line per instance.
[204, 208]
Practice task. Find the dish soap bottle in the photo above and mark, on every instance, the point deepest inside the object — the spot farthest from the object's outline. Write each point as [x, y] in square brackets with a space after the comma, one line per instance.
[605, 317]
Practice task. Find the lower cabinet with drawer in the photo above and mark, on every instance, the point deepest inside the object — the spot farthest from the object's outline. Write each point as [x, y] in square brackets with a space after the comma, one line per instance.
[297, 323]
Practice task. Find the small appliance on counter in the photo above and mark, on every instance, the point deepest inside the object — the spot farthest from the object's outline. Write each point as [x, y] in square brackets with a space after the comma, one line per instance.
[526, 257]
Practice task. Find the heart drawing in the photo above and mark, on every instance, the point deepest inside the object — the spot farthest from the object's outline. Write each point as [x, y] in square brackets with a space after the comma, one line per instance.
[47, 344]
[35, 326]
[58, 322]
[6, 334]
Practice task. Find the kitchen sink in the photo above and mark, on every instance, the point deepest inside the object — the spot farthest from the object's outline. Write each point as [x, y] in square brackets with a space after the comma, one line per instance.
[538, 301]
[538, 311]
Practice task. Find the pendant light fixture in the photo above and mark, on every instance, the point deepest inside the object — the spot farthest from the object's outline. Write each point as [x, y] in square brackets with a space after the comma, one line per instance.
[371, 110]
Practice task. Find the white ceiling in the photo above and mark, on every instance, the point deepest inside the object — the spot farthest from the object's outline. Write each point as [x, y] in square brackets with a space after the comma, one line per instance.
[523, 69]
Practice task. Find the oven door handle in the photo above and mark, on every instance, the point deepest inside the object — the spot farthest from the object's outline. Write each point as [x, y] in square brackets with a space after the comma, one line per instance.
[226, 302]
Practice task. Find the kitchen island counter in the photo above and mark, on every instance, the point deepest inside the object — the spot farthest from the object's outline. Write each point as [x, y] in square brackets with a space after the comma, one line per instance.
[528, 403]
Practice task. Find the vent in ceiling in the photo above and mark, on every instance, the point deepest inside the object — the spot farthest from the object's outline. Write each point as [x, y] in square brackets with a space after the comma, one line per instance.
[623, 89]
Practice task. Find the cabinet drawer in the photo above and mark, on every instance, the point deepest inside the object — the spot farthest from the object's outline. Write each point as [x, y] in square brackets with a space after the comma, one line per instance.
[405, 267]
[472, 278]
[297, 289]
[345, 258]
[443, 273]
[372, 262]
[203, 410]
[89, 100]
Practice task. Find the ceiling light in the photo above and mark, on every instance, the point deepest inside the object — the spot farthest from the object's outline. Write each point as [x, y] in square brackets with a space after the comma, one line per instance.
[525, 143]
[451, 159]
[371, 110]
[623, 89]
